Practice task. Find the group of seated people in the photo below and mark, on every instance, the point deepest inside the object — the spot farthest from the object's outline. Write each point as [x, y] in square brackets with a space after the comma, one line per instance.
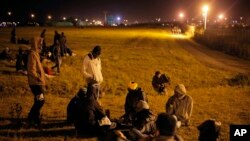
[139, 121]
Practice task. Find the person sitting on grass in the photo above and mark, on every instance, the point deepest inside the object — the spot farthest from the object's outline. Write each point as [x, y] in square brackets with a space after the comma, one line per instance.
[209, 130]
[160, 82]
[166, 128]
[143, 123]
[180, 105]
[135, 94]
[87, 114]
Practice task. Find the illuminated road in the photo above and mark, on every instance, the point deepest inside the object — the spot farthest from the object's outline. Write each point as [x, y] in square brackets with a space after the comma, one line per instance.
[214, 58]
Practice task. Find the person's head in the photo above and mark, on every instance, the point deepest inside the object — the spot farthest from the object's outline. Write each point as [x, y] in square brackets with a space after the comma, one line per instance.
[158, 73]
[82, 93]
[132, 86]
[141, 105]
[180, 90]
[62, 34]
[96, 51]
[166, 124]
[56, 32]
[209, 130]
[36, 44]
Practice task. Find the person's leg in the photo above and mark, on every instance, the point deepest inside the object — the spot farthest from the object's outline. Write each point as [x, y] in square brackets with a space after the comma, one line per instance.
[34, 114]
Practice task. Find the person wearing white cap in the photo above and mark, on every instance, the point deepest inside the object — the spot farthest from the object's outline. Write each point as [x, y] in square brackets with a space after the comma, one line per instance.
[180, 105]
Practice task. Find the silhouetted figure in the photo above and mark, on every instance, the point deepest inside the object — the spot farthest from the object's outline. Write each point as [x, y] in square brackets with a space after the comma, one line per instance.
[21, 61]
[44, 47]
[6, 54]
[166, 126]
[135, 94]
[209, 130]
[36, 80]
[143, 123]
[57, 56]
[13, 35]
[160, 82]
[87, 114]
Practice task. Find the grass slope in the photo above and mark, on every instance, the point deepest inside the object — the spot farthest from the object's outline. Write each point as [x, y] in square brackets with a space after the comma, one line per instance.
[128, 55]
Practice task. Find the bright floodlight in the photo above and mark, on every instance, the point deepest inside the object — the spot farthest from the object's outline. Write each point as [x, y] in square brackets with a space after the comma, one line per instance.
[49, 17]
[118, 18]
[221, 16]
[9, 13]
[205, 8]
[181, 15]
[64, 18]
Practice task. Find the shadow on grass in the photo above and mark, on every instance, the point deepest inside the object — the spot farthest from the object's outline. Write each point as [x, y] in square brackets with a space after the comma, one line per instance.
[18, 127]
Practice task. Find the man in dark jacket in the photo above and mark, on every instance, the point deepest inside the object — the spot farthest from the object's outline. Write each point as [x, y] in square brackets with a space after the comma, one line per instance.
[209, 130]
[87, 114]
[135, 94]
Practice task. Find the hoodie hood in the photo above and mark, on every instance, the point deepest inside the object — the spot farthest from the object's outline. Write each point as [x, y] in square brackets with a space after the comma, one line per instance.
[36, 44]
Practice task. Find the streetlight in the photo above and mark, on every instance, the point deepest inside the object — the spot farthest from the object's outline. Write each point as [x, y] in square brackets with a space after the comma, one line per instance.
[9, 13]
[181, 15]
[64, 18]
[220, 17]
[205, 9]
[49, 17]
[32, 16]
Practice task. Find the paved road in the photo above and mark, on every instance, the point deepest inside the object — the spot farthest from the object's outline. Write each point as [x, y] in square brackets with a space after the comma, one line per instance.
[214, 58]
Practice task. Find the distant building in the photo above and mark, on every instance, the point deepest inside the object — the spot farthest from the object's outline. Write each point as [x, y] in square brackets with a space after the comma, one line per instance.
[111, 20]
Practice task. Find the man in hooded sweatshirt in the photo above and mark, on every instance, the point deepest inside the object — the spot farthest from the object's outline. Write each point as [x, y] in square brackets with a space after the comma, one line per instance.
[36, 80]
[180, 105]
[92, 70]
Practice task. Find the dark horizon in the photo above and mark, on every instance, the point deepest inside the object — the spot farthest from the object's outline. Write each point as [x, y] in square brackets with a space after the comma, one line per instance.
[132, 10]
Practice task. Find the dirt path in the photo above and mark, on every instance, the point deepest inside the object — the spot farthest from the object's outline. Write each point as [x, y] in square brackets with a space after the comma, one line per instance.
[214, 58]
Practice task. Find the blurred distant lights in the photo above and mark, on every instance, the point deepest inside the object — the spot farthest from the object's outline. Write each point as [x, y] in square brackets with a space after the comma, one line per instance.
[220, 16]
[181, 15]
[205, 9]
[86, 20]
[118, 18]
[64, 18]
[32, 15]
[158, 19]
[76, 19]
[9, 13]
[49, 17]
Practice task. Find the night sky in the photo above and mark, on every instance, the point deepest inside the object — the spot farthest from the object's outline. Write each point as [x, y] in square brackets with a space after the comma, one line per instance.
[141, 10]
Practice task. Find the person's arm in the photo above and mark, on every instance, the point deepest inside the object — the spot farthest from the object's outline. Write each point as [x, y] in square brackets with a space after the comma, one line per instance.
[84, 68]
[32, 67]
[170, 106]
[189, 107]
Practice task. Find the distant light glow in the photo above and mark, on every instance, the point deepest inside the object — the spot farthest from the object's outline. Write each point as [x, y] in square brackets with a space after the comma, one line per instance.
[118, 18]
[9, 13]
[181, 15]
[205, 8]
[76, 19]
[64, 18]
[49, 17]
[32, 15]
[221, 16]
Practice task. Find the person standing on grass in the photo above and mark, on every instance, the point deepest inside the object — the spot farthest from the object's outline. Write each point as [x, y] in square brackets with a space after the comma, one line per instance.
[36, 80]
[180, 105]
[92, 70]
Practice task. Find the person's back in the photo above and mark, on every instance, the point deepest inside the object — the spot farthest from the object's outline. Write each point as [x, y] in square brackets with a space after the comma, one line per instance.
[84, 111]
[135, 94]
[156, 81]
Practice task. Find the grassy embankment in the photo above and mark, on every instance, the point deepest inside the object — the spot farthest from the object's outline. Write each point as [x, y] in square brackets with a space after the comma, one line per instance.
[128, 54]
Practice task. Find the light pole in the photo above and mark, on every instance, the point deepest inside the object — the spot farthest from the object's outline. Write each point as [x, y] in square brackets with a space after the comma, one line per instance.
[205, 9]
